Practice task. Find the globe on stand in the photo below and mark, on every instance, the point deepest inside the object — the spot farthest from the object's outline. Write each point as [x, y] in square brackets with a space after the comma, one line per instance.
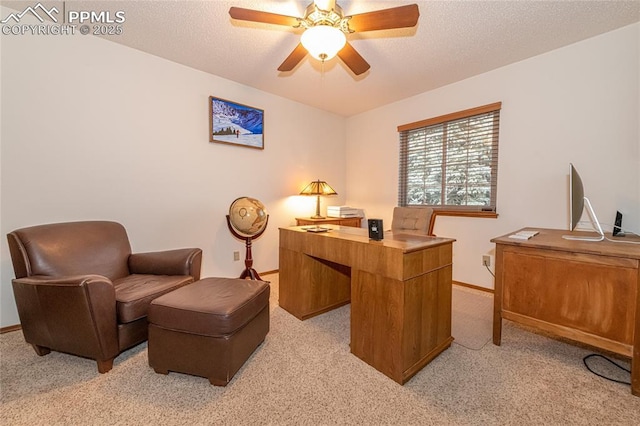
[247, 220]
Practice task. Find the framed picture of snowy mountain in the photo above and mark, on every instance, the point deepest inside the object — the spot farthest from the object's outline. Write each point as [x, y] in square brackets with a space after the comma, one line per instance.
[235, 124]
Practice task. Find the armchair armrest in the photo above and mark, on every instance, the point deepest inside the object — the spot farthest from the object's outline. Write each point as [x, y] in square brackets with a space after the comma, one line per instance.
[170, 262]
[75, 314]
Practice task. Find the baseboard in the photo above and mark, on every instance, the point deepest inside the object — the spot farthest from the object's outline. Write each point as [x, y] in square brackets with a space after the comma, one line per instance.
[475, 287]
[10, 328]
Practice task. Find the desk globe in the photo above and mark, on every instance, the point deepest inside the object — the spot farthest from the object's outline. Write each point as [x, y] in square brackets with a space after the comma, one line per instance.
[247, 220]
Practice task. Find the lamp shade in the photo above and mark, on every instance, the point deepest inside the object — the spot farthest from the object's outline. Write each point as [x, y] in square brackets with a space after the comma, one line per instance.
[323, 42]
[318, 187]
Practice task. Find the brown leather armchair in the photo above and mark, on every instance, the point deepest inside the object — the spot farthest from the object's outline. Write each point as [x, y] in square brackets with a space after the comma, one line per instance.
[80, 290]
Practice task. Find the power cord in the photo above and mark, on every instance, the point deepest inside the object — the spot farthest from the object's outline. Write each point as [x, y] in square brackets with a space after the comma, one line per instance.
[622, 241]
[628, 231]
[584, 360]
[494, 275]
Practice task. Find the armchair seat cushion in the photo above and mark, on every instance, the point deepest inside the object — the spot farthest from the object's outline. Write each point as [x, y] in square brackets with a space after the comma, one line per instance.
[135, 292]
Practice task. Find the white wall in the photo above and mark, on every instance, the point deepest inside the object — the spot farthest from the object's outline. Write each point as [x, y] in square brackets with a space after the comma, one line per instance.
[95, 130]
[577, 104]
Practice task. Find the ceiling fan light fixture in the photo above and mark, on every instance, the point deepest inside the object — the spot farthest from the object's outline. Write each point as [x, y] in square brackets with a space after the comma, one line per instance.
[325, 25]
[323, 42]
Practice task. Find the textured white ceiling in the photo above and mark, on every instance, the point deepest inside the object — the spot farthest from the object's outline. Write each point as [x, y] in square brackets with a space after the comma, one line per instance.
[453, 40]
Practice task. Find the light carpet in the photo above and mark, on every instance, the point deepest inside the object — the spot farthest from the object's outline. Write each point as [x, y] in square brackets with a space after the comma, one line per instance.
[471, 317]
[304, 374]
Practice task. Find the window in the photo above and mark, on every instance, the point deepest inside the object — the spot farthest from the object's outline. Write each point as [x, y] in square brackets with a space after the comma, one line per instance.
[451, 161]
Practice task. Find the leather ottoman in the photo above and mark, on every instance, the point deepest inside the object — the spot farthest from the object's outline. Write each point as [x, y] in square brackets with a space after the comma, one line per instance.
[209, 328]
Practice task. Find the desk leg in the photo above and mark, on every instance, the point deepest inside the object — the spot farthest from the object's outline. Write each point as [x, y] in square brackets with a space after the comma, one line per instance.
[635, 369]
[497, 298]
[635, 356]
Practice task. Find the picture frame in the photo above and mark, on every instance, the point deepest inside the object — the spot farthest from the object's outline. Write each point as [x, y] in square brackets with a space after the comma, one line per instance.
[235, 124]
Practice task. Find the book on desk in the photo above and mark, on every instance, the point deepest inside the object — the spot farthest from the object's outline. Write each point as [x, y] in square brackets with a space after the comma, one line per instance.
[524, 235]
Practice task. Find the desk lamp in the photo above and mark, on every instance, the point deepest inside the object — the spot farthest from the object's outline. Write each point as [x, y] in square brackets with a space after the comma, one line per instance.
[318, 188]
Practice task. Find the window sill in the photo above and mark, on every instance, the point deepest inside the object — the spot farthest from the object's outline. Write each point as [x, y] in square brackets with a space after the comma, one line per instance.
[465, 213]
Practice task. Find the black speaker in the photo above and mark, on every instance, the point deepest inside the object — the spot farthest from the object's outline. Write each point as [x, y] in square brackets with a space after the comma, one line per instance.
[617, 227]
[375, 229]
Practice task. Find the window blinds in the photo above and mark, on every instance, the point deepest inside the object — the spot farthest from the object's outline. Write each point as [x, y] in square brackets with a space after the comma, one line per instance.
[451, 161]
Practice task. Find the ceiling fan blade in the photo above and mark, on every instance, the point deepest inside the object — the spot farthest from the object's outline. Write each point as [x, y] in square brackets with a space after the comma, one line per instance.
[353, 60]
[385, 19]
[294, 58]
[265, 17]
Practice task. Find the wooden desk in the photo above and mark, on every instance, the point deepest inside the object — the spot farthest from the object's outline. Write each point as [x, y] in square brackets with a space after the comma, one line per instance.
[581, 290]
[342, 221]
[399, 289]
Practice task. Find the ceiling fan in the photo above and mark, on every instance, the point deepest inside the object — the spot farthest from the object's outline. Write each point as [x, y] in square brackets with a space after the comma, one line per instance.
[326, 27]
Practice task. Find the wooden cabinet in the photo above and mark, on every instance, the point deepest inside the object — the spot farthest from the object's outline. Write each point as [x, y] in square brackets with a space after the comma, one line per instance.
[581, 290]
[342, 221]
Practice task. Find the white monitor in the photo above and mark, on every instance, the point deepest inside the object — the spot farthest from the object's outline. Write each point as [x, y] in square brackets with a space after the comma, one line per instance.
[577, 203]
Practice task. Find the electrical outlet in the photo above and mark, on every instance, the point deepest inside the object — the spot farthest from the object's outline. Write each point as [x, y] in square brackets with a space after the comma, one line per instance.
[236, 256]
[486, 260]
